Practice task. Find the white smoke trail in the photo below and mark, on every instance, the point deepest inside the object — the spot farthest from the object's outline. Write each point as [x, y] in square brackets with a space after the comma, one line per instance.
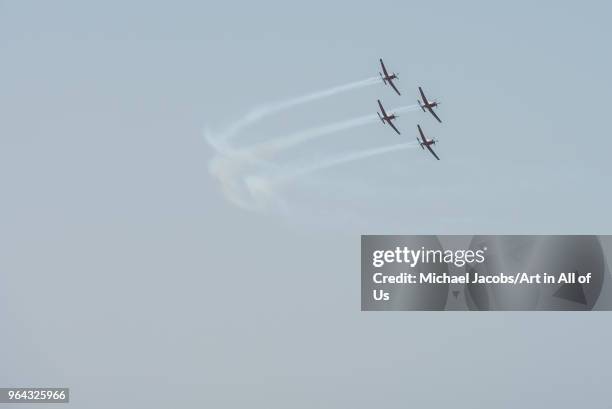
[280, 144]
[263, 184]
[239, 168]
[261, 112]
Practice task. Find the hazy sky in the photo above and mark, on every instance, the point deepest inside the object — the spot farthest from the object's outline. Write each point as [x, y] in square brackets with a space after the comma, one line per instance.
[125, 270]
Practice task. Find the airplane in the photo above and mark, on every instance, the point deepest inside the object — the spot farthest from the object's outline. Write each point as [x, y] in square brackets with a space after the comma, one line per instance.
[388, 79]
[426, 142]
[387, 118]
[428, 105]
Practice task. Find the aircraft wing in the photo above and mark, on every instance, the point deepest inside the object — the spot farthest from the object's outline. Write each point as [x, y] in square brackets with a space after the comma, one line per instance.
[382, 110]
[432, 152]
[393, 86]
[425, 102]
[382, 64]
[434, 114]
[422, 135]
[393, 126]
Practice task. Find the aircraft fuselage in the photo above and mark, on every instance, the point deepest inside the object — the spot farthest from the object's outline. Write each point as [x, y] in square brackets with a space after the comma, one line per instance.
[430, 105]
[427, 143]
[386, 78]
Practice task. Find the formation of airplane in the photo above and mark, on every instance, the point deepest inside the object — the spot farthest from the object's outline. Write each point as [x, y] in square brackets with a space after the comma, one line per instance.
[388, 118]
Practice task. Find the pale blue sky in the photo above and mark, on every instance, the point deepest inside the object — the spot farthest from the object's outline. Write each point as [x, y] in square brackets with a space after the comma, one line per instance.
[121, 262]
